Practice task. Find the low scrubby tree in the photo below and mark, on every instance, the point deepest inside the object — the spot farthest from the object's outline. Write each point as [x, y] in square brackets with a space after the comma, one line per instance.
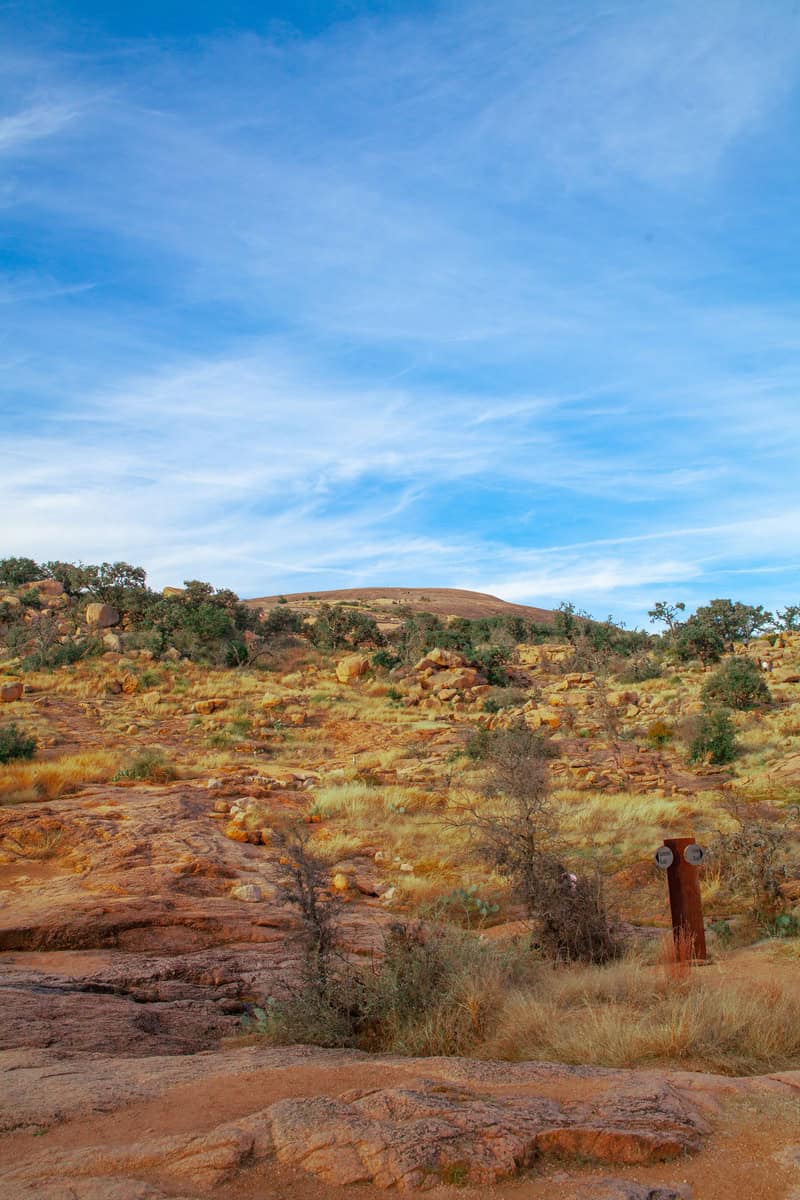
[664, 613]
[711, 737]
[733, 621]
[340, 627]
[789, 617]
[696, 639]
[738, 684]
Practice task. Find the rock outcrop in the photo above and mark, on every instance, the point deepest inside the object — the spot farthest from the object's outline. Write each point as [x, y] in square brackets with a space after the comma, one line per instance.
[243, 1119]
[432, 1134]
[101, 616]
[351, 667]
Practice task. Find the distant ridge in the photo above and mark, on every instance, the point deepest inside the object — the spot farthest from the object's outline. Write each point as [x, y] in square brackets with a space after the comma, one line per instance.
[444, 602]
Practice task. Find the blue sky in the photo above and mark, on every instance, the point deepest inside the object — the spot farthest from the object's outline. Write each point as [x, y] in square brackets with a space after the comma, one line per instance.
[327, 294]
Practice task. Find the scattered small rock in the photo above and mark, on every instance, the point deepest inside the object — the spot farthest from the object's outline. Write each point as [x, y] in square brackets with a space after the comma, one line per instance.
[204, 707]
[249, 892]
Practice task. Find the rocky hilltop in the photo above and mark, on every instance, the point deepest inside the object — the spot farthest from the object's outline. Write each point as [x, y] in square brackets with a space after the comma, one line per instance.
[383, 603]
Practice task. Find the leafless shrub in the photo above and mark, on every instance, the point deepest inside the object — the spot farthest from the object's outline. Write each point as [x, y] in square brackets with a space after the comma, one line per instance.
[516, 835]
[304, 884]
[753, 861]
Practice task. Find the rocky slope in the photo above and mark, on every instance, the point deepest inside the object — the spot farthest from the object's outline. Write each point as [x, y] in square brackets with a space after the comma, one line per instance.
[141, 923]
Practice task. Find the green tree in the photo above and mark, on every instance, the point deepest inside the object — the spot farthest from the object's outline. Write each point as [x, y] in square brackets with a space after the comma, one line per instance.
[732, 620]
[15, 743]
[663, 613]
[789, 617]
[15, 572]
[696, 639]
[75, 578]
[115, 581]
[340, 627]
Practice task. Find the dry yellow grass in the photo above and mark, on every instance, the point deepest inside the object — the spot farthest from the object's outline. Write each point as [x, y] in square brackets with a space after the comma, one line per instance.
[29, 781]
[634, 823]
[42, 841]
[333, 846]
[631, 1015]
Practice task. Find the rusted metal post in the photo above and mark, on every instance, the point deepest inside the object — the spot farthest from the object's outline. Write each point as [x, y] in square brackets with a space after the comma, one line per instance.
[684, 902]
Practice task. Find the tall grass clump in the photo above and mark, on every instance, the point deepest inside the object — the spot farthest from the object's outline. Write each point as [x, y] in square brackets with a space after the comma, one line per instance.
[629, 1014]
[22, 782]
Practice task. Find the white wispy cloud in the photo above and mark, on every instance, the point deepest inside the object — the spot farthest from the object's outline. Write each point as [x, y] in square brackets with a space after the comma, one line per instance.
[438, 297]
[31, 124]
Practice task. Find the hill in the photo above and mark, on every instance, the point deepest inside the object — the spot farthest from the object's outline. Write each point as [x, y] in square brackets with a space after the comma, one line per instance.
[383, 603]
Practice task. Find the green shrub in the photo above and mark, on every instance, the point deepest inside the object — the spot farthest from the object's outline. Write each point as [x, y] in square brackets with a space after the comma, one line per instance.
[15, 572]
[62, 654]
[339, 627]
[640, 669]
[737, 684]
[15, 743]
[151, 766]
[784, 925]
[723, 931]
[385, 658]
[150, 679]
[713, 737]
[435, 990]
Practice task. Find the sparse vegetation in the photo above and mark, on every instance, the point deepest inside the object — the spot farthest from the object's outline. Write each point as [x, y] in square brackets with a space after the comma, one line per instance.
[755, 862]
[516, 835]
[533, 790]
[437, 991]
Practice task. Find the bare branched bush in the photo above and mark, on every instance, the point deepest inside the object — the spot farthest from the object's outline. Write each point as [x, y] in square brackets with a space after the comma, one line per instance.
[430, 990]
[304, 885]
[753, 862]
[515, 834]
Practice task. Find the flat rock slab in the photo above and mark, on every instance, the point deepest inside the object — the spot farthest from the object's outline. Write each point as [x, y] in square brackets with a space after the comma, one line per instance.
[434, 1133]
[414, 1137]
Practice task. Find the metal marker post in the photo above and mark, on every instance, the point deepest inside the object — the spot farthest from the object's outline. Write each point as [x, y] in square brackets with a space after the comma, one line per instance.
[684, 897]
